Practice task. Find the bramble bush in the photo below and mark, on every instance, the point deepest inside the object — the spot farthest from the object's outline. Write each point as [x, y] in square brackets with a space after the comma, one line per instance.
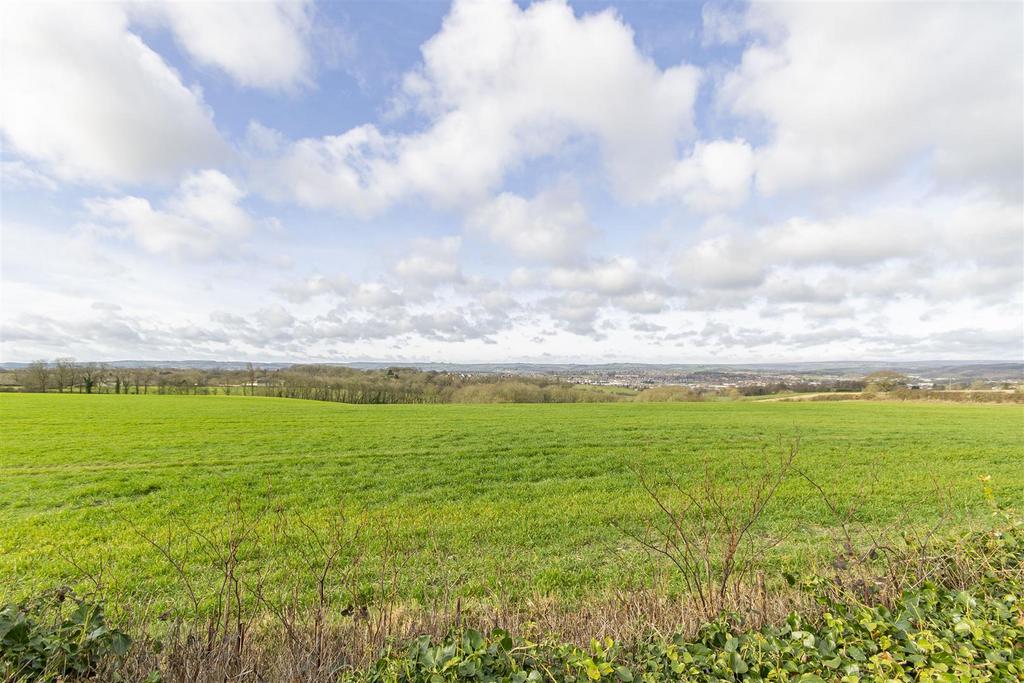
[934, 635]
[955, 614]
[57, 637]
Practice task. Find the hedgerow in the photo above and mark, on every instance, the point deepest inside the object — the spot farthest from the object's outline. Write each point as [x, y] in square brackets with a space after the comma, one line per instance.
[932, 633]
[939, 630]
[935, 635]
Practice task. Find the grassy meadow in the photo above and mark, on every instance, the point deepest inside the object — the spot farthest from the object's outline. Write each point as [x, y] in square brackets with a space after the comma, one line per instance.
[513, 500]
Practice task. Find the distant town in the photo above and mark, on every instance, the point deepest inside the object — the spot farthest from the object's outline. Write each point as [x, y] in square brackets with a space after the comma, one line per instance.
[747, 379]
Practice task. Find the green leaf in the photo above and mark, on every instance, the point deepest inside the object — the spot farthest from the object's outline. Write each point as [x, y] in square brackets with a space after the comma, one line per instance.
[737, 664]
[472, 640]
[120, 643]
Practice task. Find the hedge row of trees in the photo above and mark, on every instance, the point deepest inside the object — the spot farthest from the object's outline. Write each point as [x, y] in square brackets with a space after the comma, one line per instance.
[64, 375]
[407, 385]
[395, 385]
[315, 382]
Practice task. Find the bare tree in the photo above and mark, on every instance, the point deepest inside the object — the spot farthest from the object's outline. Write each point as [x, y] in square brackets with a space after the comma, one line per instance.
[64, 373]
[142, 378]
[36, 377]
[251, 370]
[121, 379]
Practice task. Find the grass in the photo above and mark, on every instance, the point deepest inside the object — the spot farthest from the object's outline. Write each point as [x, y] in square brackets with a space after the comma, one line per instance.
[513, 500]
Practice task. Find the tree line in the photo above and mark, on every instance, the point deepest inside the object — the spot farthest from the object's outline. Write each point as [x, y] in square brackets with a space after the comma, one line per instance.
[313, 382]
[66, 375]
[407, 385]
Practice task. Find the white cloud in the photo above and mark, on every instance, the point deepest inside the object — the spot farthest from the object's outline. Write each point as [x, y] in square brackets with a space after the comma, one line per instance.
[259, 44]
[610, 285]
[316, 285]
[431, 262]
[374, 295]
[614, 277]
[501, 85]
[20, 174]
[716, 176]
[552, 227]
[200, 219]
[854, 93]
[576, 312]
[895, 133]
[85, 96]
[720, 25]
[721, 263]
[642, 302]
[939, 249]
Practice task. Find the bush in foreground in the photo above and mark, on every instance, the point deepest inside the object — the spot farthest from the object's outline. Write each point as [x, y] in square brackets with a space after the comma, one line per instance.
[944, 629]
[57, 636]
[932, 633]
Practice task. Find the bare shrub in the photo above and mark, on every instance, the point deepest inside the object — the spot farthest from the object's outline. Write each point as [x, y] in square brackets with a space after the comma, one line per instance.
[708, 534]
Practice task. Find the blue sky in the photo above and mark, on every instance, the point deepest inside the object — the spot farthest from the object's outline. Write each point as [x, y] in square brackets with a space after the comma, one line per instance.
[489, 180]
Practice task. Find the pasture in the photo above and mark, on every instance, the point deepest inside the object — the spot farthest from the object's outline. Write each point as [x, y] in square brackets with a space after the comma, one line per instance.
[510, 500]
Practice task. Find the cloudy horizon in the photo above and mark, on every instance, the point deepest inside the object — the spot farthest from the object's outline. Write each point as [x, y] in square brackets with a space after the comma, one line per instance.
[492, 181]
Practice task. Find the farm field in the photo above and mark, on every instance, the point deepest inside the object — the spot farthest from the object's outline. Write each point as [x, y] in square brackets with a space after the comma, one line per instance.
[515, 500]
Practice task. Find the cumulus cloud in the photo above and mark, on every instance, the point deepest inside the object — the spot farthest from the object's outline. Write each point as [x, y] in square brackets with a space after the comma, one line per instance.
[723, 262]
[451, 323]
[552, 226]
[500, 85]
[313, 286]
[431, 262]
[857, 173]
[575, 312]
[201, 218]
[939, 249]
[374, 295]
[642, 302]
[617, 276]
[583, 293]
[259, 44]
[716, 176]
[853, 93]
[84, 96]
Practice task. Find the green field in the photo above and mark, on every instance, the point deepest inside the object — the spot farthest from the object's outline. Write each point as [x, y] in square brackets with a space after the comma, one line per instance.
[507, 499]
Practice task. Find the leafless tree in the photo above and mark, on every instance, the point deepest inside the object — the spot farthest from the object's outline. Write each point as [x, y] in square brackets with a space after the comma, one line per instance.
[251, 370]
[64, 373]
[140, 378]
[36, 376]
[120, 376]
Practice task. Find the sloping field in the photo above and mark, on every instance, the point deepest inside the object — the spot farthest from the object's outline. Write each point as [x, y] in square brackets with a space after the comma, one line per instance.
[515, 499]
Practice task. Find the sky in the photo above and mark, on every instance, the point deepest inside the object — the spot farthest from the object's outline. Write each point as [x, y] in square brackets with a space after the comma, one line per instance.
[495, 181]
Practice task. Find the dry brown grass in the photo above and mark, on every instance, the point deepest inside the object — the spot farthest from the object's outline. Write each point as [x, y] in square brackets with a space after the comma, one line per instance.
[292, 647]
